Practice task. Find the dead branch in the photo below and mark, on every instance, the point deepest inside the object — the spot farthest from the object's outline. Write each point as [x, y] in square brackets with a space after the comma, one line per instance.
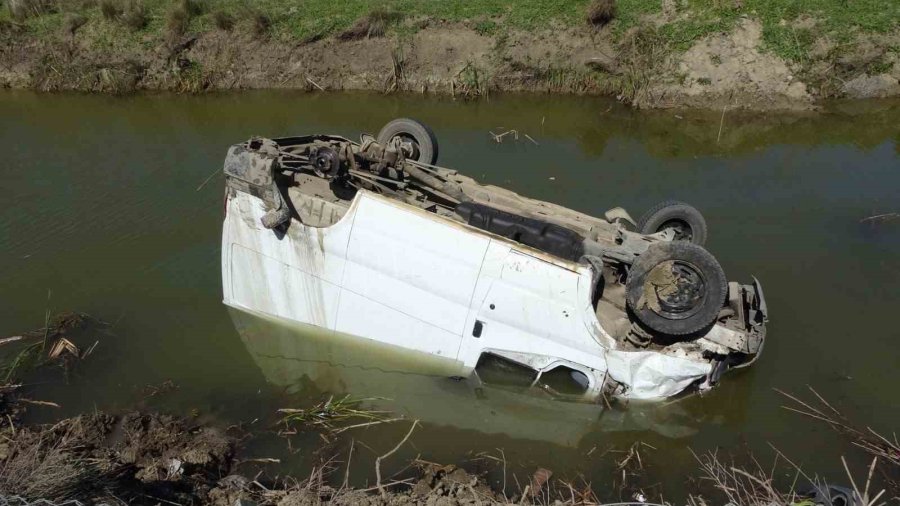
[39, 403]
[347, 471]
[12, 339]
[367, 424]
[388, 454]
[208, 179]
[869, 440]
[881, 217]
[310, 81]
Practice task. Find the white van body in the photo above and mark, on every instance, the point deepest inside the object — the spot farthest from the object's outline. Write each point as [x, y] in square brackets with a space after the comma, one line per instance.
[397, 274]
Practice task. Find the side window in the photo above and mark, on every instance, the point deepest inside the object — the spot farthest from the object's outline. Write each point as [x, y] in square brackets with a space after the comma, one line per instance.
[559, 381]
[565, 381]
[496, 370]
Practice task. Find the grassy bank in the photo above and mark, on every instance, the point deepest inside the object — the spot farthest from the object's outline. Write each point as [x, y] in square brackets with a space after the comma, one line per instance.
[302, 20]
[649, 52]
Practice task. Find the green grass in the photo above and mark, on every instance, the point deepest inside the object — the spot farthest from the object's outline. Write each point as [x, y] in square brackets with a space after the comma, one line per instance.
[330, 415]
[630, 13]
[840, 20]
[301, 20]
[297, 20]
[486, 27]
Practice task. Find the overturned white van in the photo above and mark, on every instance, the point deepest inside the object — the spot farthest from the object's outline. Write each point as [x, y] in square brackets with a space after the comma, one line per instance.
[373, 240]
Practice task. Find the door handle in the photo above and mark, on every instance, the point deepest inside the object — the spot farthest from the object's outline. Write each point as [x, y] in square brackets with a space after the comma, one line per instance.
[479, 326]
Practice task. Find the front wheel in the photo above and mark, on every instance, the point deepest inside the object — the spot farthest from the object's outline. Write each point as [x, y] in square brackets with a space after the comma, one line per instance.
[415, 138]
[676, 288]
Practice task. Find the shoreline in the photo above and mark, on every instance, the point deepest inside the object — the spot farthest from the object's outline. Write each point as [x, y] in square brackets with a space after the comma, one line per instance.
[641, 65]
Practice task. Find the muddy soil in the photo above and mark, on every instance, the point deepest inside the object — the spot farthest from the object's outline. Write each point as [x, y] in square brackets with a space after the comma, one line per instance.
[731, 68]
[140, 458]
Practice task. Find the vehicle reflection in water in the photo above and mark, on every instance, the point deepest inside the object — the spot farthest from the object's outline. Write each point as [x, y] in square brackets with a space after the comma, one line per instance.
[301, 358]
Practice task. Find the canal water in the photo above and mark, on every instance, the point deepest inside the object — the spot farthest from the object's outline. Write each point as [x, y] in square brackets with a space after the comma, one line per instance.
[106, 212]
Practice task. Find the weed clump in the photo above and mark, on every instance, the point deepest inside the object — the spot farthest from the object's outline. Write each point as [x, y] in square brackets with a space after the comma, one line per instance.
[260, 23]
[641, 53]
[373, 24]
[21, 9]
[601, 12]
[134, 15]
[192, 7]
[131, 13]
[332, 416]
[486, 28]
[178, 19]
[179, 16]
[223, 20]
[111, 9]
[73, 22]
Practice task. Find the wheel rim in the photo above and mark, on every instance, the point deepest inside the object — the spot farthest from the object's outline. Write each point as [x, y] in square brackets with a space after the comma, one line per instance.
[675, 290]
[326, 161]
[683, 231]
[408, 145]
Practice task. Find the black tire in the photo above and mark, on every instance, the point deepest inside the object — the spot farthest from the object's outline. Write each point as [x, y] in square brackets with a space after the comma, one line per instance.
[676, 288]
[423, 138]
[687, 221]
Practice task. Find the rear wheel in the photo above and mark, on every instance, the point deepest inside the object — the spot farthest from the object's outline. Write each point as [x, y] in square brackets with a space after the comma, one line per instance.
[676, 288]
[683, 219]
[415, 138]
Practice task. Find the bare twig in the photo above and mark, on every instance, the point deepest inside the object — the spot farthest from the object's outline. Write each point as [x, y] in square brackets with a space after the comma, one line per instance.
[310, 81]
[347, 471]
[367, 424]
[208, 179]
[721, 124]
[388, 454]
[881, 217]
[503, 455]
[39, 403]
[262, 460]
[868, 440]
[388, 484]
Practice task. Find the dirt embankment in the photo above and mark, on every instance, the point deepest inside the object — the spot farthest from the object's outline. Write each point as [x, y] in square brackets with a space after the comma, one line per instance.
[723, 69]
[153, 459]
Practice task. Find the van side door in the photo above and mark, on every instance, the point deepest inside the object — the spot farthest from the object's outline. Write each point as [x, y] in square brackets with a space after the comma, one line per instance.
[409, 277]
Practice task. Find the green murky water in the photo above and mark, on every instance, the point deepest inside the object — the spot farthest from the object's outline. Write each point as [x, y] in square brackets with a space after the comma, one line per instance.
[101, 208]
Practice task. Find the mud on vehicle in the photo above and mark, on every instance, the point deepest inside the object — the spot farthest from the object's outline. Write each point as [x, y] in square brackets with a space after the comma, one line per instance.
[374, 240]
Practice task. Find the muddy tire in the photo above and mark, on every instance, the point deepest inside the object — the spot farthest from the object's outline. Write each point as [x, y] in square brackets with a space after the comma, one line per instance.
[421, 138]
[676, 289]
[687, 222]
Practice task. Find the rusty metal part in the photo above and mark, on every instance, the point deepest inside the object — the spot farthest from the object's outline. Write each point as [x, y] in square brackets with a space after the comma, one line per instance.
[450, 189]
[638, 336]
[326, 162]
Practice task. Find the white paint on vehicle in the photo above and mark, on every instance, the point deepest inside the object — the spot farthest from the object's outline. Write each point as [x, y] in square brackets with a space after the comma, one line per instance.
[402, 276]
